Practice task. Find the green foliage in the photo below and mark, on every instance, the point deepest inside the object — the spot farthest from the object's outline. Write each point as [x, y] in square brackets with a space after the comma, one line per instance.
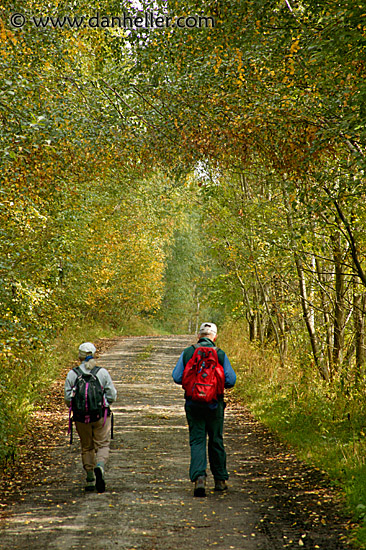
[85, 229]
[184, 174]
[188, 296]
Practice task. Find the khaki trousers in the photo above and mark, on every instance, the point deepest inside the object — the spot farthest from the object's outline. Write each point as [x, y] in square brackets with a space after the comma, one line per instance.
[95, 440]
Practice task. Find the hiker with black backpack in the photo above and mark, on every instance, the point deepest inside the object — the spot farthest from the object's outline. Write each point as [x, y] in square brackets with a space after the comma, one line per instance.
[204, 371]
[89, 392]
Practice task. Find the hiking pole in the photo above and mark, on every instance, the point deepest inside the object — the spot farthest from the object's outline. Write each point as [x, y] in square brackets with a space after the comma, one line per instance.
[112, 425]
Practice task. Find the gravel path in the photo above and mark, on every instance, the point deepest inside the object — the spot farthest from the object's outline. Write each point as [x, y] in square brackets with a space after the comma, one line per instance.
[273, 501]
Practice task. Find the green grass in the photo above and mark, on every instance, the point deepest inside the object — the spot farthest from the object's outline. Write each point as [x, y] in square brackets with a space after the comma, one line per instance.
[322, 433]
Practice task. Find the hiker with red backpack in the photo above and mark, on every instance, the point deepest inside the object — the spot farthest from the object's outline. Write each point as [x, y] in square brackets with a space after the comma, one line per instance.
[89, 392]
[204, 371]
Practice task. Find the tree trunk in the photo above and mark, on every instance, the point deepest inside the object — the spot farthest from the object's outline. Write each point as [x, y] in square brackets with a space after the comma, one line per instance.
[326, 314]
[308, 318]
[359, 301]
[339, 312]
[272, 327]
[252, 323]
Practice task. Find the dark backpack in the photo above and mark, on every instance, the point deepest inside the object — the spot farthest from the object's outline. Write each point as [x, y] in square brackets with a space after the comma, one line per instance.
[87, 402]
[203, 377]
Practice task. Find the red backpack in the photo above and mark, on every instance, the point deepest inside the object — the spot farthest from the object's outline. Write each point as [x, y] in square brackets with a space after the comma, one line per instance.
[203, 377]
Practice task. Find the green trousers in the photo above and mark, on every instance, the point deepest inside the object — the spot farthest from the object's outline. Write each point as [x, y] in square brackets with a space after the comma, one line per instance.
[203, 421]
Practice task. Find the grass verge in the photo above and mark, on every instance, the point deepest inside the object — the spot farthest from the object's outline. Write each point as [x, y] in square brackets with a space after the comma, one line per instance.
[324, 423]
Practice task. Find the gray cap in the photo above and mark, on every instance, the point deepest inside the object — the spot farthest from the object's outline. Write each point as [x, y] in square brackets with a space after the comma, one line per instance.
[85, 349]
[205, 328]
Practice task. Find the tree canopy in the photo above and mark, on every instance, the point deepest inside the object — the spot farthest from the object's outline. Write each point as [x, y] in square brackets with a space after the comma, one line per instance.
[176, 171]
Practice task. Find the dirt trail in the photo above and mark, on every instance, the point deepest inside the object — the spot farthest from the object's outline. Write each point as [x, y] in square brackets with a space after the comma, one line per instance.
[274, 502]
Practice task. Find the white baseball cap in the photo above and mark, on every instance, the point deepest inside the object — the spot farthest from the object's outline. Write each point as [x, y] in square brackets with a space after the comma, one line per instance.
[205, 328]
[87, 348]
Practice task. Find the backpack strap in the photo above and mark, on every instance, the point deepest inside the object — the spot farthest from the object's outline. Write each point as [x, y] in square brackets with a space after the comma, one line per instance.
[70, 423]
[196, 346]
[79, 372]
[94, 372]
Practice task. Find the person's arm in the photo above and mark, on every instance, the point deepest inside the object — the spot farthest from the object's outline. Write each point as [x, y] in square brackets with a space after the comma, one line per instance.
[69, 384]
[230, 376]
[177, 373]
[108, 386]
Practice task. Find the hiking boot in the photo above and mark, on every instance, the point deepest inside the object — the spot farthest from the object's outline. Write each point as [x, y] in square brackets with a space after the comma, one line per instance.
[220, 485]
[90, 482]
[99, 478]
[200, 487]
[90, 486]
